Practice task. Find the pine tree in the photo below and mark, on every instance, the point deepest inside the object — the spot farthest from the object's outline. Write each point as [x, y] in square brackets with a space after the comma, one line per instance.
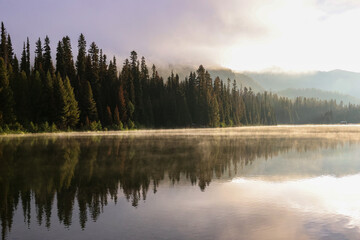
[214, 117]
[35, 97]
[143, 93]
[60, 102]
[87, 103]
[60, 60]
[22, 96]
[92, 74]
[108, 118]
[69, 70]
[81, 58]
[111, 84]
[10, 51]
[27, 56]
[66, 105]
[47, 99]
[48, 64]
[72, 110]
[23, 64]
[122, 104]
[3, 44]
[138, 92]
[117, 117]
[6, 96]
[38, 56]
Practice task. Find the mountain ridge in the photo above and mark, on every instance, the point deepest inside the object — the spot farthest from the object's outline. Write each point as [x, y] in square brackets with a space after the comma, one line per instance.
[319, 94]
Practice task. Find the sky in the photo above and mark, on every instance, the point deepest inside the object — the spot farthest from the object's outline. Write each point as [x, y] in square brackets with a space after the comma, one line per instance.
[244, 35]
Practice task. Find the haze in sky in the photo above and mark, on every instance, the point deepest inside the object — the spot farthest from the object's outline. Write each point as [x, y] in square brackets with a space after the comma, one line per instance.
[296, 35]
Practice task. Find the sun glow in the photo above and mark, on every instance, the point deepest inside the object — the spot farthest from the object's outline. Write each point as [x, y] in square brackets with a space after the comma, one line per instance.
[301, 37]
[321, 195]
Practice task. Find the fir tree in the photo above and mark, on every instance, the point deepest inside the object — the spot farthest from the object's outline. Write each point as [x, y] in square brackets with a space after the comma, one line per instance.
[22, 96]
[60, 60]
[35, 97]
[117, 117]
[69, 69]
[87, 103]
[6, 96]
[108, 118]
[48, 64]
[38, 56]
[23, 63]
[71, 107]
[3, 44]
[27, 57]
[10, 51]
[81, 58]
[47, 99]
[92, 73]
[65, 104]
[122, 104]
[60, 102]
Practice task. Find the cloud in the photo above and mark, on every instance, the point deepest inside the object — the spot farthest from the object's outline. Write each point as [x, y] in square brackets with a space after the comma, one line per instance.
[337, 6]
[240, 34]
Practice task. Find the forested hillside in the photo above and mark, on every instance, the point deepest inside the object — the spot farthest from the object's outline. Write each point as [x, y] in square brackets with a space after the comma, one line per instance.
[89, 93]
[319, 94]
[341, 81]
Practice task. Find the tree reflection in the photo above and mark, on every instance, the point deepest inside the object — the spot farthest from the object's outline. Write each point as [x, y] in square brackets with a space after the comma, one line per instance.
[91, 170]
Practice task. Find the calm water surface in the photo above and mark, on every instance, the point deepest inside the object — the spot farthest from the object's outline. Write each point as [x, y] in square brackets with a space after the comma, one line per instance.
[294, 184]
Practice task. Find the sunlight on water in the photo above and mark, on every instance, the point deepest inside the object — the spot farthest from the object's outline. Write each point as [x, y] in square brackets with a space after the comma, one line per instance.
[319, 195]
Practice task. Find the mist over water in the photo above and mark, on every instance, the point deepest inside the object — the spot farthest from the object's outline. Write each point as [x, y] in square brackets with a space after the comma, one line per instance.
[281, 182]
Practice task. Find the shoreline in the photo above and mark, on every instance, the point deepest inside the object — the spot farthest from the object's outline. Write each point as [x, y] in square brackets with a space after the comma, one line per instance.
[306, 130]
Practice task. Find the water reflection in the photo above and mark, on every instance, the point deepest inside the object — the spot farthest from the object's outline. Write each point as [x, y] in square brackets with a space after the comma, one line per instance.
[87, 172]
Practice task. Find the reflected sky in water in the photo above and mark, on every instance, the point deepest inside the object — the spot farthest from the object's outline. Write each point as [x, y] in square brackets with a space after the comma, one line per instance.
[180, 187]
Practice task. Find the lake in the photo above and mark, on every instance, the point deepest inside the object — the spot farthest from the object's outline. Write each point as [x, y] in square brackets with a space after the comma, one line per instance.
[280, 182]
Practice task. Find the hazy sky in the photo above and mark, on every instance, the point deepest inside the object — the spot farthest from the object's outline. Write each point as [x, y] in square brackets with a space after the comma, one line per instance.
[239, 34]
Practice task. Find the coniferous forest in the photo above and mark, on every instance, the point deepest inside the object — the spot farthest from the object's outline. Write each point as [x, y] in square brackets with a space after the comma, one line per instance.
[89, 92]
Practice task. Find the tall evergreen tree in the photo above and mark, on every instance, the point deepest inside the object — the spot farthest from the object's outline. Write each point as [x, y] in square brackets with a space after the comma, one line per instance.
[21, 94]
[23, 63]
[66, 104]
[6, 96]
[35, 96]
[47, 99]
[3, 44]
[38, 63]
[81, 57]
[92, 69]
[87, 103]
[10, 50]
[48, 64]
[59, 102]
[27, 56]
[117, 117]
[68, 60]
[60, 60]
[123, 105]
[72, 110]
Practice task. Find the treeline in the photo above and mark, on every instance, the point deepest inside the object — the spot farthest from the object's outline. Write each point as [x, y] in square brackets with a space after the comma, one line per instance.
[89, 93]
[304, 110]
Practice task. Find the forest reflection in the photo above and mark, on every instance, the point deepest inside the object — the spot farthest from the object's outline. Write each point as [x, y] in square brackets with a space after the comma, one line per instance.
[91, 170]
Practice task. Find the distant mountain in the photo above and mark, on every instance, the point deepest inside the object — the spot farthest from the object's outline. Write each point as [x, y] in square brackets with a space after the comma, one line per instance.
[181, 70]
[335, 81]
[319, 94]
[241, 79]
